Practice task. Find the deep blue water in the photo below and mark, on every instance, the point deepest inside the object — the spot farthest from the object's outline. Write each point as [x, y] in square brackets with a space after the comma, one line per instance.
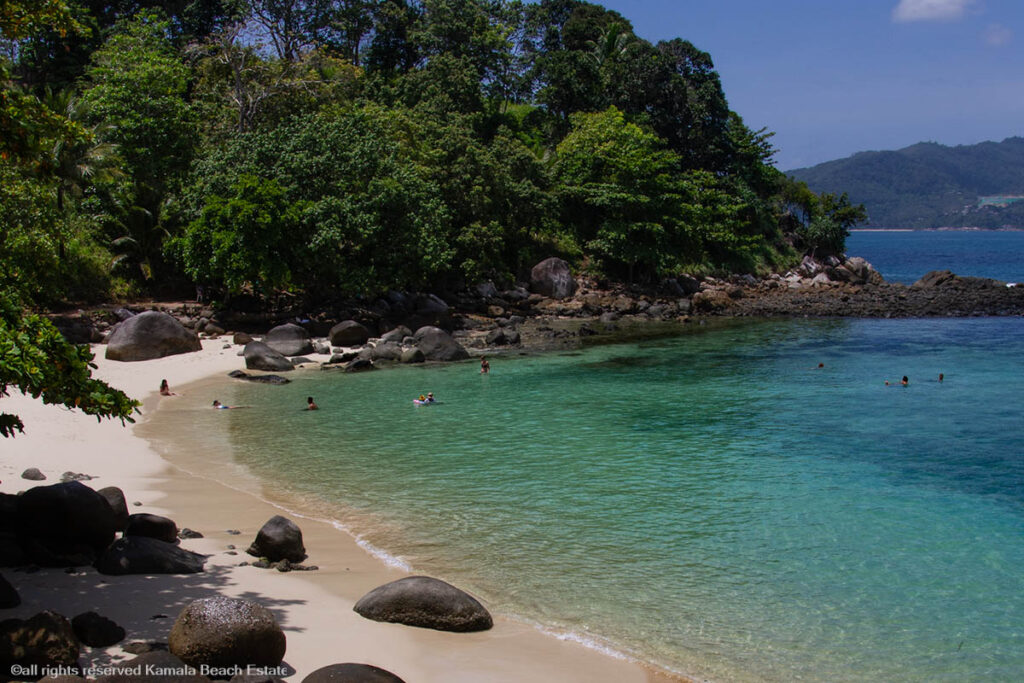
[711, 502]
[904, 256]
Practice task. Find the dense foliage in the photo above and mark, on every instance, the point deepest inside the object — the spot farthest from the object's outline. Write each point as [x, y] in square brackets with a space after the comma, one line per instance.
[345, 147]
[928, 185]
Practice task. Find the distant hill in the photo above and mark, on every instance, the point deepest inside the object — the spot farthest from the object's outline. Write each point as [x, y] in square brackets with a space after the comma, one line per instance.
[929, 185]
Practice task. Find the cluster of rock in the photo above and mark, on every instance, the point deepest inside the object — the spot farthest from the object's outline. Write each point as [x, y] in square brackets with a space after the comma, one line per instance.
[69, 524]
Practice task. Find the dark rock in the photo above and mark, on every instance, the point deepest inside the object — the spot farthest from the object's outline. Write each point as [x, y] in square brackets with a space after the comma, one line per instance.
[241, 338]
[425, 602]
[11, 552]
[152, 526]
[360, 365]
[496, 337]
[512, 337]
[115, 498]
[33, 474]
[430, 305]
[64, 524]
[259, 379]
[227, 632]
[150, 335]
[413, 355]
[289, 340]
[75, 476]
[43, 640]
[436, 344]
[935, 278]
[8, 594]
[259, 356]
[95, 630]
[351, 673]
[397, 334]
[187, 533]
[213, 330]
[138, 647]
[256, 678]
[154, 666]
[386, 351]
[279, 539]
[349, 333]
[552, 278]
[300, 360]
[143, 555]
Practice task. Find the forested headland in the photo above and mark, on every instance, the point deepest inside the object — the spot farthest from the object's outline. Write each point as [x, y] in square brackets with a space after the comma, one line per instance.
[929, 185]
[342, 148]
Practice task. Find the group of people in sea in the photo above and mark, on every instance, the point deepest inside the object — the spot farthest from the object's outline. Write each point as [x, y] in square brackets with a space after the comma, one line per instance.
[485, 368]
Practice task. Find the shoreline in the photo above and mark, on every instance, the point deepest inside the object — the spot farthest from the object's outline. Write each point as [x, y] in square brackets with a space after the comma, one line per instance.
[314, 608]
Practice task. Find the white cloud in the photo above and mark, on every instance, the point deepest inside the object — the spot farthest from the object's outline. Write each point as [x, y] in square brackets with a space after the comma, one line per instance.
[997, 36]
[930, 10]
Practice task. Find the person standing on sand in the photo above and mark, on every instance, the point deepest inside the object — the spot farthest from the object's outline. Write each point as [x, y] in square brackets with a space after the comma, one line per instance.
[485, 367]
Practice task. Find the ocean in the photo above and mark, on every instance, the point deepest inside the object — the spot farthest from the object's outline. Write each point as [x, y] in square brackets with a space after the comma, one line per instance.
[711, 502]
[905, 255]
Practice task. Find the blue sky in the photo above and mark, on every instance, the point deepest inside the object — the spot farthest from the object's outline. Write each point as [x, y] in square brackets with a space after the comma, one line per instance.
[835, 77]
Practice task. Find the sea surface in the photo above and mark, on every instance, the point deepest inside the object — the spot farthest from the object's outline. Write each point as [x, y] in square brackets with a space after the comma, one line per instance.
[905, 255]
[712, 502]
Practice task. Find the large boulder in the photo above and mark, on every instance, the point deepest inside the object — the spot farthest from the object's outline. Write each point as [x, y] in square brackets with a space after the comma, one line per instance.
[349, 333]
[436, 344]
[45, 640]
[65, 524]
[351, 673]
[96, 630]
[279, 539]
[259, 356]
[116, 500]
[397, 334]
[552, 278]
[150, 335]
[711, 301]
[152, 526]
[143, 555]
[425, 602]
[935, 278]
[227, 632]
[289, 340]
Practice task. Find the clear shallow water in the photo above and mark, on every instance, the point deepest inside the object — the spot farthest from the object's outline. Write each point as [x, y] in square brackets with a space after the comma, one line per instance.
[710, 502]
[904, 256]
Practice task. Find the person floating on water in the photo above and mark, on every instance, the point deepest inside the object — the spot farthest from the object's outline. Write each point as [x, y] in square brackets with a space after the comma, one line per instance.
[485, 367]
[941, 376]
[903, 382]
[310, 405]
[430, 397]
[217, 405]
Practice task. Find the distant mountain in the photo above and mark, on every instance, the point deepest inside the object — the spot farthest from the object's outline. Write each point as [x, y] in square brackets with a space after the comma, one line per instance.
[929, 185]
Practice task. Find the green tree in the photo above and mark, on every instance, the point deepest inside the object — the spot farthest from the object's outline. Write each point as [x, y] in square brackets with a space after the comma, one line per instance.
[247, 238]
[36, 360]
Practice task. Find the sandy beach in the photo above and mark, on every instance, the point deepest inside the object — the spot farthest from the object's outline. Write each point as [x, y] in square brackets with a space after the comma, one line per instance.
[314, 608]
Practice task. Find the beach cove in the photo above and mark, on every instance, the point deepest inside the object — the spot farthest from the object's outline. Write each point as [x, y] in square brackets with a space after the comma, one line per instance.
[314, 608]
[770, 519]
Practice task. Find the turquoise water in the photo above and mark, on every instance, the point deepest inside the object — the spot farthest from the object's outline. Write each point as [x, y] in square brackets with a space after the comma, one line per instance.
[904, 256]
[710, 502]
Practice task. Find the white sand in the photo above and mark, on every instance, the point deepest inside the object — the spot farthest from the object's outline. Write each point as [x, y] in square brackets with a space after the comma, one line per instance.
[313, 608]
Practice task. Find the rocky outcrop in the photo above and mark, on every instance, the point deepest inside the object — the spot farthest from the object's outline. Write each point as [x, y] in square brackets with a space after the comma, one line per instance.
[227, 632]
[64, 525]
[33, 474]
[150, 335]
[279, 539]
[45, 640]
[95, 630]
[436, 344]
[349, 333]
[118, 505]
[152, 526]
[425, 602]
[552, 278]
[143, 555]
[289, 340]
[351, 673]
[259, 356]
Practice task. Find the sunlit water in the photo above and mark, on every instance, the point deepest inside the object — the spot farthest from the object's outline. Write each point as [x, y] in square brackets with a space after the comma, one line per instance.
[712, 502]
[904, 256]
